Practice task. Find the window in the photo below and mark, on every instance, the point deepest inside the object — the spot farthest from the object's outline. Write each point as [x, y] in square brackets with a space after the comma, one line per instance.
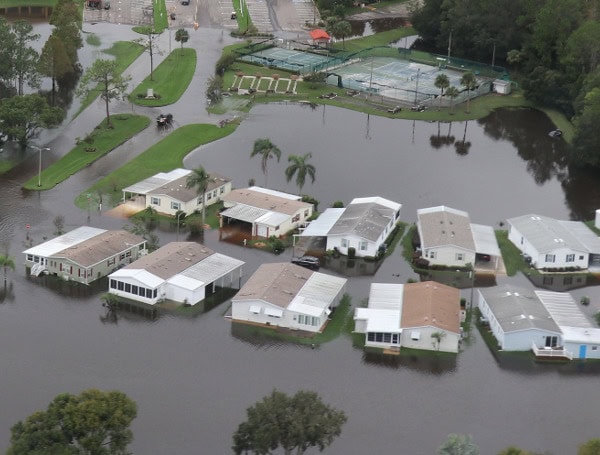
[568, 280]
[460, 256]
[30, 257]
[120, 285]
[431, 254]
[221, 190]
[155, 201]
[363, 245]
[581, 258]
[570, 258]
[128, 288]
[142, 291]
[548, 280]
[306, 213]
[394, 338]
[594, 348]
[208, 196]
[155, 293]
[148, 293]
[113, 284]
[345, 243]
[521, 240]
[111, 261]
[175, 206]
[214, 193]
[550, 258]
[134, 289]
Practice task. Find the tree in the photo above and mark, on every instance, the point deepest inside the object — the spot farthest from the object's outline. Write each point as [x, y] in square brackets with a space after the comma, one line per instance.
[587, 141]
[267, 150]
[25, 58]
[182, 36]
[6, 262]
[21, 117]
[452, 93]
[104, 77]
[592, 447]
[301, 169]
[54, 61]
[149, 44]
[292, 423]
[7, 38]
[93, 422]
[199, 179]
[512, 450]
[66, 19]
[341, 29]
[469, 82]
[458, 444]
[442, 82]
[437, 339]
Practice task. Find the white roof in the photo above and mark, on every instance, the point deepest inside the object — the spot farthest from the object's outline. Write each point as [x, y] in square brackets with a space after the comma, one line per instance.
[245, 213]
[292, 197]
[272, 218]
[185, 282]
[297, 305]
[212, 268]
[70, 239]
[269, 311]
[485, 240]
[319, 291]
[386, 296]
[563, 309]
[548, 234]
[321, 226]
[156, 181]
[379, 320]
[377, 200]
[146, 278]
[581, 335]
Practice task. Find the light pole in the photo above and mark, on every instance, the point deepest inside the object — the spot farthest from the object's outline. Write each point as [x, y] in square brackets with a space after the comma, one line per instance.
[178, 216]
[39, 162]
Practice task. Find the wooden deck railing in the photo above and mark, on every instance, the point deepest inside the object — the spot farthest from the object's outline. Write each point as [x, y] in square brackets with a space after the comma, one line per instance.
[549, 353]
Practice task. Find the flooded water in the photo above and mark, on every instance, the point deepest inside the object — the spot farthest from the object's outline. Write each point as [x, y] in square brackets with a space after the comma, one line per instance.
[194, 377]
[371, 26]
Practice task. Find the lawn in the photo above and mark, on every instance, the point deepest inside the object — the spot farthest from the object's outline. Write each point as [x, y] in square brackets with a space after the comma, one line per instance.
[164, 156]
[161, 16]
[244, 20]
[98, 143]
[378, 39]
[6, 165]
[125, 53]
[170, 79]
[513, 261]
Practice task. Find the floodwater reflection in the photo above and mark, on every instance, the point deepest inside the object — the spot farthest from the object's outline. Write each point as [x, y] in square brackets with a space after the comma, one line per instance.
[431, 363]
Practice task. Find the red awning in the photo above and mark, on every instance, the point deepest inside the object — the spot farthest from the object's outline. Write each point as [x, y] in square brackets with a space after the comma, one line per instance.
[319, 34]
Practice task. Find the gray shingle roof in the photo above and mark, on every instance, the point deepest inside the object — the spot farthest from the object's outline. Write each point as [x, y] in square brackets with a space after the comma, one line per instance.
[442, 226]
[367, 220]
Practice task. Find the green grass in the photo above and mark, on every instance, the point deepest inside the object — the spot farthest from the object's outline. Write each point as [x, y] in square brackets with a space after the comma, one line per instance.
[125, 53]
[378, 39]
[93, 40]
[562, 123]
[25, 4]
[161, 16]
[164, 156]
[513, 261]
[243, 18]
[125, 126]
[170, 80]
[6, 165]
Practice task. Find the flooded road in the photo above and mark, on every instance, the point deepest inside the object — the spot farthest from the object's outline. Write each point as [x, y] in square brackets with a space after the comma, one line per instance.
[193, 378]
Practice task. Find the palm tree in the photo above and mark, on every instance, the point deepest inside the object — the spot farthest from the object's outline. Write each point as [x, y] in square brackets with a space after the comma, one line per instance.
[458, 444]
[6, 262]
[267, 150]
[442, 82]
[301, 169]
[469, 82]
[199, 179]
[452, 93]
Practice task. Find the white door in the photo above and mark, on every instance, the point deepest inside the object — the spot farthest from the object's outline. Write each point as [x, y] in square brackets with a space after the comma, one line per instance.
[262, 230]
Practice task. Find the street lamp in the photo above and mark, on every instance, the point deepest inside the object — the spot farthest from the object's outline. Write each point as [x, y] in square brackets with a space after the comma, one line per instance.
[39, 149]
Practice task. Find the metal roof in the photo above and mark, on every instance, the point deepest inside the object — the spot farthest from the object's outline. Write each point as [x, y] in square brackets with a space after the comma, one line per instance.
[143, 276]
[156, 181]
[293, 197]
[259, 198]
[322, 225]
[547, 234]
[485, 240]
[68, 240]
[581, 335]
[273, 219]
[320, 290]
[563, 309]
[443, 226]
[518, 309]
[366, 218]
[244, 212]
[379, 320]
[186, 282]
[212, 268]
[386, 296]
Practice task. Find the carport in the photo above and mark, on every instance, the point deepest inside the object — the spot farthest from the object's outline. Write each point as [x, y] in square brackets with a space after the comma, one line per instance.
[485, 244]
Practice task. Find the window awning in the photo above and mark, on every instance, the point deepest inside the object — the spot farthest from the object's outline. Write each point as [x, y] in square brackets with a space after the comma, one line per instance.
[414, 335]
[255, 309]
[273, 312]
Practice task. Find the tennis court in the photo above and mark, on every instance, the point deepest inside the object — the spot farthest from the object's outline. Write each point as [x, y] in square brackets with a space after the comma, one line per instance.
[286, 59]
[398, 79]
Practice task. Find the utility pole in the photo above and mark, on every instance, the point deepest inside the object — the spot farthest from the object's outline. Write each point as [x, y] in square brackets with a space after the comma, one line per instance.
[493, 56]
[449, 46]
[417, 87]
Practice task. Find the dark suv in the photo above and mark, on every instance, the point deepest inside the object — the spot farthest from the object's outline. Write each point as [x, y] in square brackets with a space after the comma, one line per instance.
[310, 262]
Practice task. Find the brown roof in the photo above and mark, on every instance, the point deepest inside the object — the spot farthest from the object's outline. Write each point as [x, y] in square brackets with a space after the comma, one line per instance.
[265, 201]
[100, 247]
[276, 283]
[431, 303]
[171, 259]
[177, 188]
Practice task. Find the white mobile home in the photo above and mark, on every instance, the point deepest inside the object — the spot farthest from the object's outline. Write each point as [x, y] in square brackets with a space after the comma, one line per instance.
[183, 272]
[289, 296]
[554, 244]
[365, 224]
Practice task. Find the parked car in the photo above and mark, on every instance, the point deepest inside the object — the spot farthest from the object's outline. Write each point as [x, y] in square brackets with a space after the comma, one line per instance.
[310, 262]
[185, 2]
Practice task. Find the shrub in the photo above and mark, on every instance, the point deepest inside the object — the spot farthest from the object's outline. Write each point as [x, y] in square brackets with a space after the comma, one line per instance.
[224, 63]
[310, 200]
[315, 77]
[338, 205]
[585, 300]
[597, 318]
